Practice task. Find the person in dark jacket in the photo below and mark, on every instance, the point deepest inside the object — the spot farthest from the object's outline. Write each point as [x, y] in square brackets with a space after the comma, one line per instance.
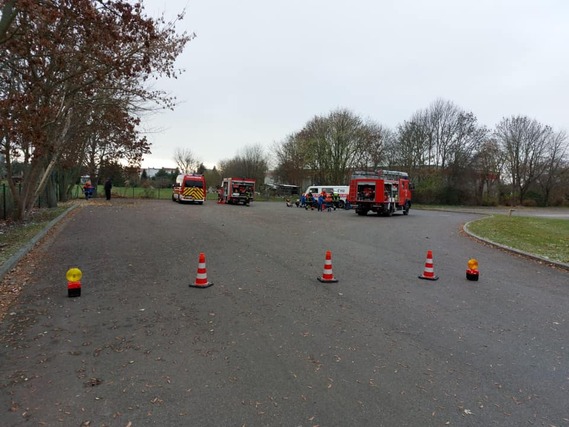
[108, 187]
[320, 201]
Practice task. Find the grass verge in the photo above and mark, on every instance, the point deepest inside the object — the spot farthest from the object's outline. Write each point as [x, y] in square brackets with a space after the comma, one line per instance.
[14, 236]
[545, 237]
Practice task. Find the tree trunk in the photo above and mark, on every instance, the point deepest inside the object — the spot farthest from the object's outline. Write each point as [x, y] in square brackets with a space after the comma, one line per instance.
[50, 192]
[66, 179]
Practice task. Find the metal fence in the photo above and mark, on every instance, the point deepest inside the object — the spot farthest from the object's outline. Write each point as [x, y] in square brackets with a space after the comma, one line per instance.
[7, 201]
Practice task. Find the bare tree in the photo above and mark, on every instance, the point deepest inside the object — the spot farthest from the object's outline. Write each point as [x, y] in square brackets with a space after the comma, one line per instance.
[337, 144]
[186, 160]
[555, 164]
[487, 165]
[251, 162]
[291, 160]
[524, 142]
[409, 150]
[439, 135]
[437, 146]
[373, 152]
[451, 133]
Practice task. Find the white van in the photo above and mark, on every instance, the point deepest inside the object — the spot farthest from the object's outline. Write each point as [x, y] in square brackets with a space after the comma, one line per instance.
[342, 191]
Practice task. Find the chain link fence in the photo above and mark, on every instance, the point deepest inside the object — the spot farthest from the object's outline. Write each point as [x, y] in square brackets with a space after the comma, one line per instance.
[7, 201]
[146, 192]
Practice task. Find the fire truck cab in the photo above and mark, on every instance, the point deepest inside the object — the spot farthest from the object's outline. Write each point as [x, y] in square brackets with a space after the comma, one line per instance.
[381, 191]
[189, 188]
[238, 190]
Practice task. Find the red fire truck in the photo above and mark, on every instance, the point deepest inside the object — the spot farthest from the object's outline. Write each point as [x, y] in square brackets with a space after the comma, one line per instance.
[381, 191]
[238, 190]
[189, 188]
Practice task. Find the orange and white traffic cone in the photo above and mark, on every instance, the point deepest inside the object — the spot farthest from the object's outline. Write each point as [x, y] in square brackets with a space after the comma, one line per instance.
[328, 275]
[429, 272]
[201, 277]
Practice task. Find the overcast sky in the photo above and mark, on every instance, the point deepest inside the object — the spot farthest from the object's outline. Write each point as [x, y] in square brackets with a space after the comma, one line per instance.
[259, 70]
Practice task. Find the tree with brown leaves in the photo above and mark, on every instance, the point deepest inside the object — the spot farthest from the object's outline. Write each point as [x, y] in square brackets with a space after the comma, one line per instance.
[73, 79]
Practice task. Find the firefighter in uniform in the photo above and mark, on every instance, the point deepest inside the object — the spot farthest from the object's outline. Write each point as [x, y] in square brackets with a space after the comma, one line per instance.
[309, 201]
[329, 202]
[321, 201]
[220, 195]
[335, 199]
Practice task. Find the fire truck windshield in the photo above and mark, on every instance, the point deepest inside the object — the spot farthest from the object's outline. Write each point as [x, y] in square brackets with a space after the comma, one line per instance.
[192, 183]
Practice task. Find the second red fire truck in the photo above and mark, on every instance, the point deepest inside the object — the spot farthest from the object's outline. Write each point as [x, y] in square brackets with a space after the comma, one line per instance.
[237, 190]
[381, 191]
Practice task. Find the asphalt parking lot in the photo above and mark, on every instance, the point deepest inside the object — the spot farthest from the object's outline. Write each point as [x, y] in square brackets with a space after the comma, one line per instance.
[268, 344]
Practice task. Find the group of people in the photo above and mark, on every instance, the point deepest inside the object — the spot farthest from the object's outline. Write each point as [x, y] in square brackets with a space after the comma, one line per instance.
[324, 200]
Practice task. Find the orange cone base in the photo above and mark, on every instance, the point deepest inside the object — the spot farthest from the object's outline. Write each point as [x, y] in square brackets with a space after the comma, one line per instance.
[323, 280]
[429, 278]
[206, 285]
[472, 275]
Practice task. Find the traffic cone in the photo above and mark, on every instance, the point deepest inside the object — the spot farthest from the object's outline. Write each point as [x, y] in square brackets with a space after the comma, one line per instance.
[429, 272]
[201, 277]
[328, 275]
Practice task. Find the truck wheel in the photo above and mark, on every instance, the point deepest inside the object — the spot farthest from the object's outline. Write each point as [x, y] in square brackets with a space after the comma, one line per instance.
[341, 204]
[406, 209]
[386, 212]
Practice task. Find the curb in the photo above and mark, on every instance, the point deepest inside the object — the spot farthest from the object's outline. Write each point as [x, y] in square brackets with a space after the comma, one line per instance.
[513, 250]
[14, 259]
